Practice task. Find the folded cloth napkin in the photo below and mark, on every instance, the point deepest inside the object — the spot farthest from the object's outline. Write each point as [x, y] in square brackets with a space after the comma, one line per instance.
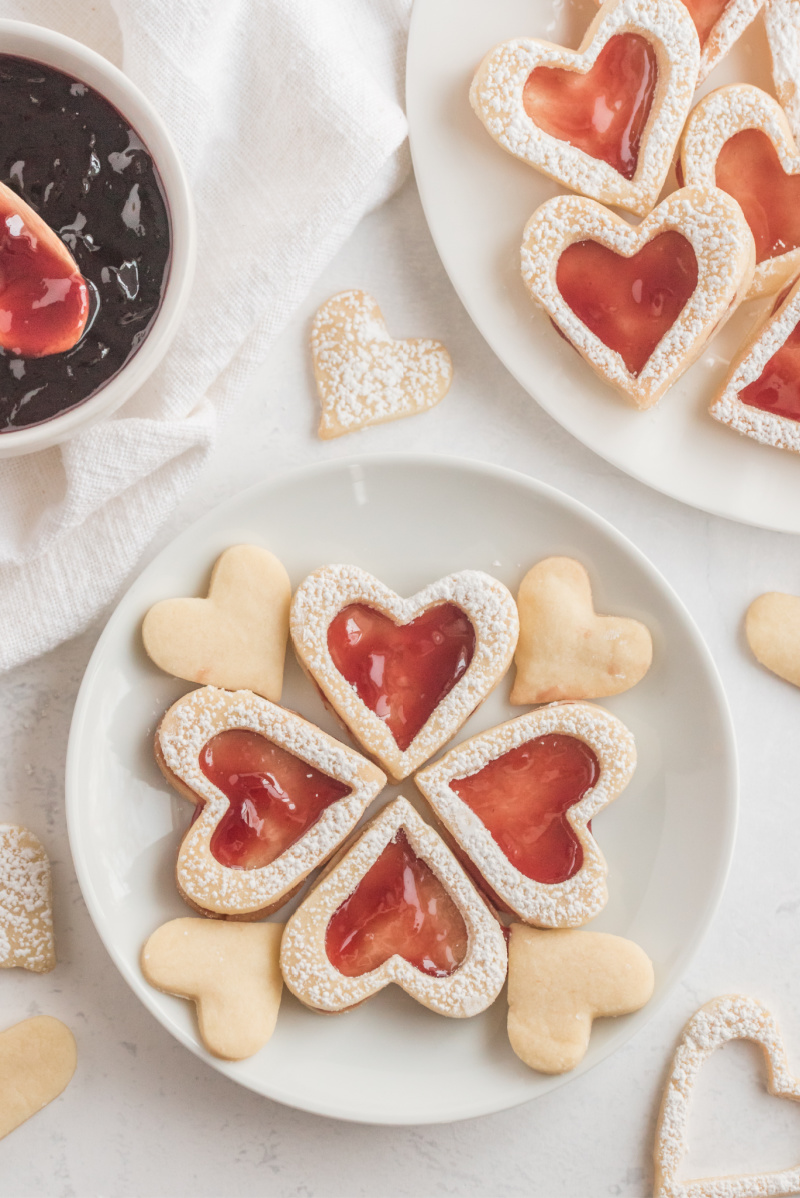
[288, 116]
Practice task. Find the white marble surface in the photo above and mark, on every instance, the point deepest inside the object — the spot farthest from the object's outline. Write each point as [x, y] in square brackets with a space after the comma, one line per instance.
[144, 1117]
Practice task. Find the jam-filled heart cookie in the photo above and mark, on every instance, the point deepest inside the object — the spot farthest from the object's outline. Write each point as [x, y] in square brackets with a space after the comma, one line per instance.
[517, 801]
[37, 1061]
[782, 23]
[26, 903]
[639, 304]
[275, 798]
[403, 674]
[395, 907]
[603, 120]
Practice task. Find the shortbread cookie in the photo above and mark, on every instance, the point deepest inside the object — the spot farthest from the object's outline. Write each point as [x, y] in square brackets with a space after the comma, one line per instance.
[560, 981]
[637, 63]
[782, 23]
[441, 652]
[229, 970]
[517, 801]
[772, 627]
[37, 1061]
[639, 304]
[26, 903]
[565, 650]
[395, 907]
[275, 795]
[235, 638]
[732, 1017]
[738, 138]
[366, 377]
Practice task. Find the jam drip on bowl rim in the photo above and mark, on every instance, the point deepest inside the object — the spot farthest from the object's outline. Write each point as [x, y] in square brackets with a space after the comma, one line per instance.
[749, 169]
[777, 388]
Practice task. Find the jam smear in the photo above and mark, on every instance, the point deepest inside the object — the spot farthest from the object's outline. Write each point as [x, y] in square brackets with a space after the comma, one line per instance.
[749, 169]
[523, 798]
[705, 14]
[629, 303]
[274, 796]
[399, 907]
[402, 671]
[604, 111]
[777, 388]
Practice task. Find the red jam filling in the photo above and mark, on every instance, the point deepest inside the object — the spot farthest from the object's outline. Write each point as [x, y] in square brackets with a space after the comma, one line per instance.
[274, 796]
[705, 14]
[777, 388]
[399, 906]
[402, 671]
[523, 798]
[604, 111]
[749, 169]
[629, 303]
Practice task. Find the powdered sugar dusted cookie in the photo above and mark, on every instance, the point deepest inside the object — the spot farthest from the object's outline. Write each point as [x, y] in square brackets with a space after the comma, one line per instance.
[565, 650]
[396, 907]
[639, 304]
[517, 800]
[782, 23]
[772, 627]
[403, 674]
[637, 63]
[26, 904]
[366, 377]
[37, 1061]
[276, 798]
[559, 982]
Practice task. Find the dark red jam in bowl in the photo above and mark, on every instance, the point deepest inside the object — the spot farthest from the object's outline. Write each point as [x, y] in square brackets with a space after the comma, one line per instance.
[78, 163]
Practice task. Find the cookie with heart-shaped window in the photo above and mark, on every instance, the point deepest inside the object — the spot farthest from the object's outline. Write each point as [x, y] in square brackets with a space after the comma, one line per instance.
[26, 902]
[782, 24]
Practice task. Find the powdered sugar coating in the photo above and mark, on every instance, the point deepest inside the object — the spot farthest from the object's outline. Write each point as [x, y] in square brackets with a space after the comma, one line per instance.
[782, 23]
[496, 96]
[366, 377]
[732, 1017]
[186, 729]
[26, 907]
[549, 905]
[309, 973]
[488, 605]
[714, 225]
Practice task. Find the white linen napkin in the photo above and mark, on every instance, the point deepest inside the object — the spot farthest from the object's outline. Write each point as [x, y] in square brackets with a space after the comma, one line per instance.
[288, 116]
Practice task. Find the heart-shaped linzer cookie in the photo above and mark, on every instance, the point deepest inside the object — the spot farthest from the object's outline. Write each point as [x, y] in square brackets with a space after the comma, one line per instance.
[366, 377]
[236, 637]
[26, 903]
[603, 119]
[559, 982]
[229, 970]
[37, 1061]
[639, 304]
[565, 650]
[732, 1017]
[772, 627]
[782, 24]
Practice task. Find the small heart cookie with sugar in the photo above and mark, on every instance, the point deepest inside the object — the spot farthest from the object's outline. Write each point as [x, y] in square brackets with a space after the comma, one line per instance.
[565, 650]
[235, 638]
[772, 627]
[37, 1061]
[366, 377]
[229, 970]
[26, 905]
[560, 981]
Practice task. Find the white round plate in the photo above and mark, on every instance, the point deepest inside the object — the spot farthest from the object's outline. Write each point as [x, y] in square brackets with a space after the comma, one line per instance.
[409, 520]
[477, 199]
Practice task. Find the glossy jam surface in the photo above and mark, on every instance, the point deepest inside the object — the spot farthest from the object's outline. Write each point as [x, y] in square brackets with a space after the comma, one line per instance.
[399, 906]
[523, 798]
[777, 388]
[629, 303]
[705, 14]
[749, 169]
[402, 671]
[604, 111]
[274, 797]
[80, 166]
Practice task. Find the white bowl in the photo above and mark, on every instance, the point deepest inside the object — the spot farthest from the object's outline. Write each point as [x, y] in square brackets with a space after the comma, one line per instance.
[65, 54]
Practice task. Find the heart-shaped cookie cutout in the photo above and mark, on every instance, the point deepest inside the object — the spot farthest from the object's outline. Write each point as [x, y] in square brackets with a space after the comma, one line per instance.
[565, 650]
[772, 627]
[37, 1061]
[782, 24]
[229, 970]
[732, 1017]
[26, 902]
[395, 906]
[640, 324]
[569, 113]
[236, 637]
[559, 982]
[366, 377]
[403, 674]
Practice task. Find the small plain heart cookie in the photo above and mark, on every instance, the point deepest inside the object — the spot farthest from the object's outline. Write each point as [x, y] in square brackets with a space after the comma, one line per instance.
[772, 626]
[366, 377]
[560, 981]
[229, 970]
[26, 904]
[236, 637]
[37, 1061]
[565, 650]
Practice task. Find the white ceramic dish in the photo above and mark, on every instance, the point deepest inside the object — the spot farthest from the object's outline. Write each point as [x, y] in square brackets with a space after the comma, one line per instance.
[668, 838]
[65, 54]
[477, 199]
